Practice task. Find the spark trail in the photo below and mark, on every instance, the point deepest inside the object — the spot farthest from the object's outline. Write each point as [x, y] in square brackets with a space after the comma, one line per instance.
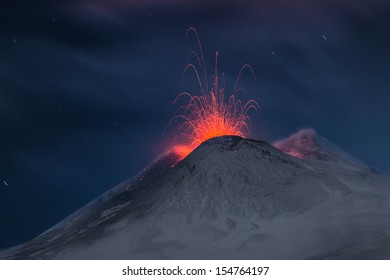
[210, 114]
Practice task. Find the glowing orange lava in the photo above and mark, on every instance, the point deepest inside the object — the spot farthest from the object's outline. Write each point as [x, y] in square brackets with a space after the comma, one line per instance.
[210, 114]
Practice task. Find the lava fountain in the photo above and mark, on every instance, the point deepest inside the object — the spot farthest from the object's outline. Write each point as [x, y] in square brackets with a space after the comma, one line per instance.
[210, 114]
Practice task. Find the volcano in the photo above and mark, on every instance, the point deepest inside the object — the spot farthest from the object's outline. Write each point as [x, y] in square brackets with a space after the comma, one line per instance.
[233, 198]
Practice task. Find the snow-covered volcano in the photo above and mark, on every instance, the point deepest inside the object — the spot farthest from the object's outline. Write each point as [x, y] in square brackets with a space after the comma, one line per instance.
[232, 198]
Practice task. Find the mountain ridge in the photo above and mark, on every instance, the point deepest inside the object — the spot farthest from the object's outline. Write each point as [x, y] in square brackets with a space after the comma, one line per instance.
[219, 202]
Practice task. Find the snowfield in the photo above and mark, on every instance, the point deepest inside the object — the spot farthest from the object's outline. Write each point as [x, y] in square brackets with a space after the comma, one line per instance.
[233, 198]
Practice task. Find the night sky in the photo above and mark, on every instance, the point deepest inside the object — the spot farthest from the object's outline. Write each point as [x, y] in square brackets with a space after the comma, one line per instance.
[87, 87]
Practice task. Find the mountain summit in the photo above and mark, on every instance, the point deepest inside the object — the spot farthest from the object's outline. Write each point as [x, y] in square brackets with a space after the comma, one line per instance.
[306, 144]
[232, 198]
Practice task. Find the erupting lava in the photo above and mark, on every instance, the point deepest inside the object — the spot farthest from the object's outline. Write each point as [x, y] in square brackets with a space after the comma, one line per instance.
[209, 114]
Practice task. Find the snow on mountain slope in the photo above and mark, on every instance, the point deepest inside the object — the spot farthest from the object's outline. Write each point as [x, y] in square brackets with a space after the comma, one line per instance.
[306, 144]
[231, 198]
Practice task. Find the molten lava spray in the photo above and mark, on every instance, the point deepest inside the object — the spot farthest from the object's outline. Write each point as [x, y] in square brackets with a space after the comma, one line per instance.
[209, 114]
